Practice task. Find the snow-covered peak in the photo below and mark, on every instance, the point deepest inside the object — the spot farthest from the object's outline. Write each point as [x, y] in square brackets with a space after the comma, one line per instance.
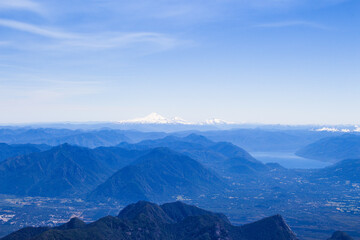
[327, 129]
[215, 121]
[332, 129]
[154, 118]
[180, 120]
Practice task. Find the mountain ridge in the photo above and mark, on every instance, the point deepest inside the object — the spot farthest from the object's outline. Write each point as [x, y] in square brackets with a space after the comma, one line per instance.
[61, 170]
[333, 149]
[146, 220]
[14, 150]
[216, 155]
[160, 175]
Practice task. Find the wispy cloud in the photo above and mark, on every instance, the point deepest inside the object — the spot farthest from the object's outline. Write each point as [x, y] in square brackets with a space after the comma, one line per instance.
[35, 29]
[98, 40]
[285, 24]
[27, 5]
[116, 40]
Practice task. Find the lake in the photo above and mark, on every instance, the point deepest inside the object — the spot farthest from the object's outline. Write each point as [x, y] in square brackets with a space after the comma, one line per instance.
[289, 160]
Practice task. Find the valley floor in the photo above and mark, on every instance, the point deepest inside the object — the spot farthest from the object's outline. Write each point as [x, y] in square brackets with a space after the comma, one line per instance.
[310, 219]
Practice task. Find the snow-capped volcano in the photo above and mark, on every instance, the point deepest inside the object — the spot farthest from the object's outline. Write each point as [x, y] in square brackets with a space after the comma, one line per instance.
[155, 118]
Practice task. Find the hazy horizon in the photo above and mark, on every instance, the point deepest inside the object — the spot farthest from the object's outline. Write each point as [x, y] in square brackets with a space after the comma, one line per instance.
[210, 121]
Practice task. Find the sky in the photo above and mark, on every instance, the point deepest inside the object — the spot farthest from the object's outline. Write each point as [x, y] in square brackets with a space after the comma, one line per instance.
[246, 61]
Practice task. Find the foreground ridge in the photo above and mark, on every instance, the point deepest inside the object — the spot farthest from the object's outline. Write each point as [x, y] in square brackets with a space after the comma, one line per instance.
[170, 221]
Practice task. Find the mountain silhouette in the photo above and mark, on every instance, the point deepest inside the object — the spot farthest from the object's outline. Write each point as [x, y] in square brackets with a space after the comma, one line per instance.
[171, 221]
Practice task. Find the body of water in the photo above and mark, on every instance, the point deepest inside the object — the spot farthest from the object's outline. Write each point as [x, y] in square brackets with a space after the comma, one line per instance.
[289, 160]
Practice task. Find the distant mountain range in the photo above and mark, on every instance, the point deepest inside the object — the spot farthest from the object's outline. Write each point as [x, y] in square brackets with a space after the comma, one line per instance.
[268, 140]
[156, 170]
[171, 221]
[145, 171]
[333, 149]
[253, 140]
[218, 155]
[85, 138]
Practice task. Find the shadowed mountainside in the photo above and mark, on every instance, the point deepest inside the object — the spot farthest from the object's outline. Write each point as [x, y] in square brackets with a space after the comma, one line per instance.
[161, 175]
[333, 149]
[345, 170]
[340, 236]
[14, 150]
[62, 170]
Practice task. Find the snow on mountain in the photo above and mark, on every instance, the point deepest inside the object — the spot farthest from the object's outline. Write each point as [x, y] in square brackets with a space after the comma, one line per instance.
[332, 129]
[215, 121]
[155, 118]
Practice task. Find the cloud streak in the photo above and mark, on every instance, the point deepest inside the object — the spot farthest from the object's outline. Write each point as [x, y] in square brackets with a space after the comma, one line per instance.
[35, 29]
[99, 40]
[27, 5]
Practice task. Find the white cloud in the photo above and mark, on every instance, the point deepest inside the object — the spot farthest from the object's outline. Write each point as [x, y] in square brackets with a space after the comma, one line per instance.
[97, 40]
[35, 29]
[114, 40]
[21, 5]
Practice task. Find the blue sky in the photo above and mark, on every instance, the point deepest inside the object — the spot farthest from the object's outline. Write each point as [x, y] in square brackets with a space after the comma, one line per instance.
[255, 61]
